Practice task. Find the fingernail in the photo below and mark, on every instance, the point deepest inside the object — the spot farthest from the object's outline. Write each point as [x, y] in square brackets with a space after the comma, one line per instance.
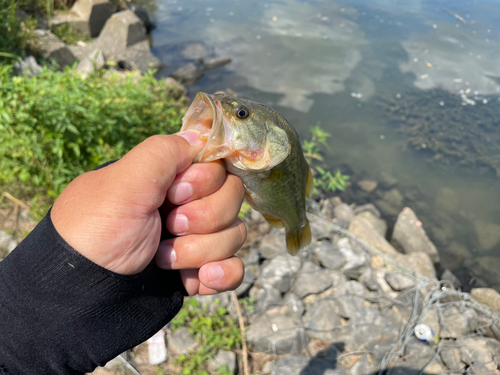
[180, 224]
[166, 256]
[192, 136]
[215, 273]
[181, 192]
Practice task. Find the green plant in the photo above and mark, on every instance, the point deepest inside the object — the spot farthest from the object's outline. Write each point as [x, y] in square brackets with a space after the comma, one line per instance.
[212, 331]
[69, 35]
[15, 33]
[56, 126]
[324, 179]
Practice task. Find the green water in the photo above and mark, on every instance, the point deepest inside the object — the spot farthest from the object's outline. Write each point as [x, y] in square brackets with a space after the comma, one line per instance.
[334, 63]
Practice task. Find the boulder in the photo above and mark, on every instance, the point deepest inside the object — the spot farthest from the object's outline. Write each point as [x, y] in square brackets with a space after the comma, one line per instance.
[27, 66]
[409, 236]
[370, 207]
[451, 279]
[387, 181]
[223, 358]
[175, 88]
[451, 356]
[344, 212]
[357, 259]
[371, 327]
[312, 279]
[487, 296]
[280, 271]
[349, 297]
[321, 320]
[362, 228]
[188, 73]
[264, 295]
[51, 47]
[363, 367]
[368, 280]
[480, 351]
[399, 281]
[391, 202]
[458, 322]
[272, 245]
[368, 185]
[329, 256]
[181, 341]
[216, 63]
[488, 234]
[275, 333]
[95, 61]
[142, 14]
[87, 16]
[376, 222]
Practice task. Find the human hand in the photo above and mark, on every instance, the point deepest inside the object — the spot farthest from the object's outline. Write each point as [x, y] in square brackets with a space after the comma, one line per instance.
[111, 215]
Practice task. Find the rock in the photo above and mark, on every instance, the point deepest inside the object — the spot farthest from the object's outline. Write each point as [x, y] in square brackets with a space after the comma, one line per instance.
[362, 367]
[368, 280]
[248, 280]
[223, 358]
[321, 320]
[451, 356]
[252, 258]
[343, 211]
[431, 318]
[264, 295]
[311, 279]
[280, 271]
[350, 297]
[175, 88]
[480, 351]
[487, 296]
[488, 234]
[387, 181]
[272, 245]
[447, 200]
[307, 366]
[142, 14]
[371, 327]
[487, 267]
[294, 306]
[194, 51]
[451, 278]
[357, 259]
[95, 61]
[367, 185]
[11, 245]
[370, 207]
[391, 203]
[51, 47]
[458, 322]
[91, 15]
[361, 228]
[188, 73]
[488, 327]
[418, 262]
[216, 63]
[399, 281]
[181, 341]
[400, 311]
[378, 224]
[214, 301]
[329, 256]
[409, 236]
[327, 208]
[28, 66]
[275, 333]
[417, 355]
[454, 255]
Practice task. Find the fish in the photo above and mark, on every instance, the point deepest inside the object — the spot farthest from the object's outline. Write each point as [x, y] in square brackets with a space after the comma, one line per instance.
[262, 148]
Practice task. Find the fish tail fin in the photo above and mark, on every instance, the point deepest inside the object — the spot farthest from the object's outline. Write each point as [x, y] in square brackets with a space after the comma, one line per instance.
[296, 241]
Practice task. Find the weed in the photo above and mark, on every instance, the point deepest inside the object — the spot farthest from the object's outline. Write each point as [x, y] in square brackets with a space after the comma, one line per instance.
[69, 35]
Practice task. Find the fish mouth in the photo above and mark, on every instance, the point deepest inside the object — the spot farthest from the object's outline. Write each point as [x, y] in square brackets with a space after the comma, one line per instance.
[206, 116]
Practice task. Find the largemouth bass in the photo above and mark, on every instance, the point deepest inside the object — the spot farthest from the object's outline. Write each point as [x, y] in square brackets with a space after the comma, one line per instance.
[263, 149]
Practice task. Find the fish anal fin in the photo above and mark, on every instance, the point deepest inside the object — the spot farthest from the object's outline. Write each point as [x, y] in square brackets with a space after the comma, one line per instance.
[274, 222]
[310, 183]
[296, 241]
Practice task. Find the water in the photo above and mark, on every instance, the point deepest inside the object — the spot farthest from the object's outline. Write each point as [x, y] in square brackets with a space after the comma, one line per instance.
[341, 65]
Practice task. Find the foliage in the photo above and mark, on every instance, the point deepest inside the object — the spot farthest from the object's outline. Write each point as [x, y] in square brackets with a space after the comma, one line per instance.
[69, 35]
[212, 331]
[15, 33]
[56, 126]
[324, 179]
[244, 210]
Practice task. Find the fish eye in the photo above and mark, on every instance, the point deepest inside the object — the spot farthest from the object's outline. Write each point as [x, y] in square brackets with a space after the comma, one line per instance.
[242, 112]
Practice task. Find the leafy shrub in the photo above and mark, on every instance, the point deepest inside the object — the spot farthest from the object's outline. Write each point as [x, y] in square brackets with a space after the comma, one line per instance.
[56, 126]
[69, 35]
[15, 34]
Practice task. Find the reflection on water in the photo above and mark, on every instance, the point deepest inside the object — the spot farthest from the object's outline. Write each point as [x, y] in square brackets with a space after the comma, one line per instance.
[345, 65]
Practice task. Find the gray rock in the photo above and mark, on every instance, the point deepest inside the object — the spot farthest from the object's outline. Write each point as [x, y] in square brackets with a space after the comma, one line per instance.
[320, 231]
[294, 306]
[51, 47]
[214, 301]
[457, 322]
[216, 63]
[488, 234]
[489, 327]
[272, 245]
[175, 89]
[370, 327]
[327, 208]
[264, 295]
[194, 51]
[252, 257]
[188, 74]
[447, 200]
[95, 61]
[275, 333]
[480, 351]
[357, 259]
[368, 280]
[451, 356]
[368, 185]
[387, 181]
[27, 66]
[399, 281]
[419, 262]
[409, 236]
[280, 271]
[311, 279]
[431, 318]
[223, 358]
[487, 296]
[89, 16]
[5, 238]
[350, 297]
[11, 245]
[248, 280]
[181, 341]
[362, 367]
[361, 228]
[378, 224]
[142, 14]
[321, 320]
[306, 366]
[329, 256]
[344, 211]
[486, 267]
[417, 355]
[369, 207]
[401, 310]
[451, 278]
[391, 202]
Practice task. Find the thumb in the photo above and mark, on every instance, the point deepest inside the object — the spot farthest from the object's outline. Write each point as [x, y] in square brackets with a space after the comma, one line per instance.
[147, 171]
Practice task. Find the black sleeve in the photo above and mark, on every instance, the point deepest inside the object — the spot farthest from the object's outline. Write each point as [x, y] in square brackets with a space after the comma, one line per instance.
[60, 313]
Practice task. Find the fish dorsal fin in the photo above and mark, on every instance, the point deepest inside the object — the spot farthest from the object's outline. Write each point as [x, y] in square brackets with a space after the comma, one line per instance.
[310, 183]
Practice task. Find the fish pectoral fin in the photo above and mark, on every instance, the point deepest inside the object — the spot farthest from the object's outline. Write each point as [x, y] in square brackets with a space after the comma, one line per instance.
[274, 222]
[296, 241]
[310, 183]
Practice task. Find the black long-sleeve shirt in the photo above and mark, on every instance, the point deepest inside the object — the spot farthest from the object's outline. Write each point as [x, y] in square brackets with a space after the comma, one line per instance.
[60, 313]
